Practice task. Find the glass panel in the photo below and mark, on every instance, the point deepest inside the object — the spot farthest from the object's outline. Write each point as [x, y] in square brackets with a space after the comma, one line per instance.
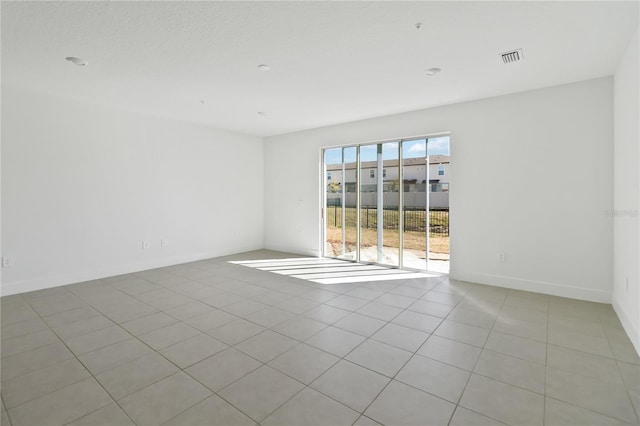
[349, 213]
[438, 154]
[438, 146]
[390, 189]
[424, 212]
[368, 203]
[333, 216]
[414, 188]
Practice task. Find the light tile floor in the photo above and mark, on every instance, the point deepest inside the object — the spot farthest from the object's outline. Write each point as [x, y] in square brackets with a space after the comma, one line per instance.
[215, 343]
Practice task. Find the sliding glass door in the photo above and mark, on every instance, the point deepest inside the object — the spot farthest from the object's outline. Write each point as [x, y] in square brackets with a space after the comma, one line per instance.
[334, 227]
[415, 204]
[370, 247]
[381, 200]
[349, 211]
[340, 213]
[388, 208]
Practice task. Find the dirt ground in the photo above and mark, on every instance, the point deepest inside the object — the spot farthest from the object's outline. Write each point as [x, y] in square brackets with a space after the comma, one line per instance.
[438, 245]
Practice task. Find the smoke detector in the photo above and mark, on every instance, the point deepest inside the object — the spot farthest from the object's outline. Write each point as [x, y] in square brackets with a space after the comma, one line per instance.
[77, 61]
[512, 56]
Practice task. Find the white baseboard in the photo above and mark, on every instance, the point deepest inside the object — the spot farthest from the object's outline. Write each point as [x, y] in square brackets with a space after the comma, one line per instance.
[553, 289]
[10, 288]
[630, 328]
[301, 252]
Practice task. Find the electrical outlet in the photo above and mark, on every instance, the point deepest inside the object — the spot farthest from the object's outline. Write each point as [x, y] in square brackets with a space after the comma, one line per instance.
[502, 256]
[145, 245]
[7, 261]
[163, 243]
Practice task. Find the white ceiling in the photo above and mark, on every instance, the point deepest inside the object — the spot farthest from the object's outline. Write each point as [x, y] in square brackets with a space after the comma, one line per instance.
[331, 62]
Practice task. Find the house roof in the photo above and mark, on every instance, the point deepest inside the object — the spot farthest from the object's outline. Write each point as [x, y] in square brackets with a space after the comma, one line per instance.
[433, 159]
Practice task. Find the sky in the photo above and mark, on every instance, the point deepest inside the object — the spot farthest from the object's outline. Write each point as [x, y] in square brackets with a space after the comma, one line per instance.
[410, 149]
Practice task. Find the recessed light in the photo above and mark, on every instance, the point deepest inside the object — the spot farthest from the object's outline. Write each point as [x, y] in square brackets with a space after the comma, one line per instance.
[262, 113]
[432, 71]
[264, 67]
[77, 61]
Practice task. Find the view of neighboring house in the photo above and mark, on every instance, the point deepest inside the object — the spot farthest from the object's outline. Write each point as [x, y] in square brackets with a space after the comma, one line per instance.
[414, 180]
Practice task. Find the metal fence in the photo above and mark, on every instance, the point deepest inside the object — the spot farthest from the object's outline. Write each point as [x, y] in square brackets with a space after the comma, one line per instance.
[414, 219]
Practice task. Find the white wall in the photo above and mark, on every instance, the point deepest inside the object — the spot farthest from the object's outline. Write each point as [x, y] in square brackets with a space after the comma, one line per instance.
[83, 186]
[626, 193]
[555, 232]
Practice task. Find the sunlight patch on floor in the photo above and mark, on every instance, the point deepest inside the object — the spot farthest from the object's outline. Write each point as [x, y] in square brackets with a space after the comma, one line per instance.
[331, 271]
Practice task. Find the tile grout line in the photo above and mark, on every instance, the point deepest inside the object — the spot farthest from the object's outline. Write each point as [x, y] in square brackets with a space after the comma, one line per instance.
[546, 370]
[343, 358]
[299, 342]
[262, 364]
[360, 285]
[6, 410]
[304, 342]
[159, 380]
[635, 409]
[391, 378]
[181, 369]
[91, 376]
[97, 381]
[457, 404]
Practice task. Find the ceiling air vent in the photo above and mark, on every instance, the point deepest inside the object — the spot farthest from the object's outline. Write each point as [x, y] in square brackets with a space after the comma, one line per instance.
[512, 56]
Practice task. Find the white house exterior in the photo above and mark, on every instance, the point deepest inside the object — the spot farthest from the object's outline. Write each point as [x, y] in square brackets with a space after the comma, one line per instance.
[415, 182]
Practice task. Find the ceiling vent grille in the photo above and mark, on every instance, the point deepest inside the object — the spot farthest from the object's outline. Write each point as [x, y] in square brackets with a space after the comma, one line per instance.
[512, 56]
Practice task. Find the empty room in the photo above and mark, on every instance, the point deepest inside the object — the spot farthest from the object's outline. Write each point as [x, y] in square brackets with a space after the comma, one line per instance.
[320, 213]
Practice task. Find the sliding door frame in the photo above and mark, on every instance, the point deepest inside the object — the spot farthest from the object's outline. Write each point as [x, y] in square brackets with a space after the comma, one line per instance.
[358, 174]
